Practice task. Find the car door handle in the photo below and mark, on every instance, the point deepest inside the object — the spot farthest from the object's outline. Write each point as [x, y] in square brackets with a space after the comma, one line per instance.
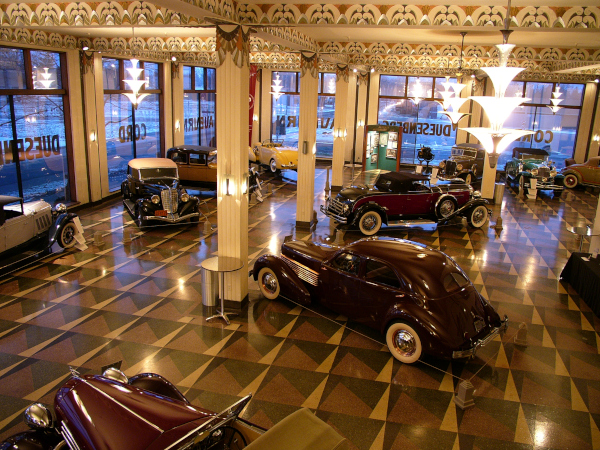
[399, 295]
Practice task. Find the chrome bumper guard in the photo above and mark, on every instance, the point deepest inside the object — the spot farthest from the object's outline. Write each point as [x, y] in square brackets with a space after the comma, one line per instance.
[172, 218]
[341, 219]
[469, 353]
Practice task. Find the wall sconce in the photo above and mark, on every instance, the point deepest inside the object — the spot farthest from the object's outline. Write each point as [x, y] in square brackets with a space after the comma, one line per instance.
[177, 125]
[596, 138]
[304, 147]
[228, 185]
[245, 184]
[255, 118]
[360, 123]
[340, 133]
[93, 136]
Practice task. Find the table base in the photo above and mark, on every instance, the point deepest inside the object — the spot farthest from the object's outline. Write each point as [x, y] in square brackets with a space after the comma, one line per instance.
[222, 315]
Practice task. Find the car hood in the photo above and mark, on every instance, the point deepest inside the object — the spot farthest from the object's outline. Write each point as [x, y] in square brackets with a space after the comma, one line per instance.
[534, 164]
[157, 188]
[354, 192]
[304, 251]
[457, 316]
[288, 153]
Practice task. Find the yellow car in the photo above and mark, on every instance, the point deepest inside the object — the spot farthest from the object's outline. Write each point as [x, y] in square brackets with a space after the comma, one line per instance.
[274, 155]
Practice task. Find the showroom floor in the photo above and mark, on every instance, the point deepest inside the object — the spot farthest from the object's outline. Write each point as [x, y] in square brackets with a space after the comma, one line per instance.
[141, 303]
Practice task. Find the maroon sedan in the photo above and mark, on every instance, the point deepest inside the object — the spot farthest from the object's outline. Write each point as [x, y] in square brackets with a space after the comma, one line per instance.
[416, 295]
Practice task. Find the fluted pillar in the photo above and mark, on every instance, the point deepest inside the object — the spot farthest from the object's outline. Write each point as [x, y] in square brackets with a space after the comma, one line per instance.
[340, 127]
[307, 138]
[232, 144]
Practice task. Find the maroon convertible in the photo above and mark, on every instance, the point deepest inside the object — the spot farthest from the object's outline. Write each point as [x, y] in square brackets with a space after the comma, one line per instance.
[417, 296]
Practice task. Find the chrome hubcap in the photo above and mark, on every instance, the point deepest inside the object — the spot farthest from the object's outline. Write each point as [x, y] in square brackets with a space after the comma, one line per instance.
[69, 234]
[269, 283]
[273, 166]
[405, 343]
[369, 222]
[478, 215]
[447, 208]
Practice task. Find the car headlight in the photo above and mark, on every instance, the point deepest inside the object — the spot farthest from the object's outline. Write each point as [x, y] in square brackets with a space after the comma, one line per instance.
[553, 173]
[155, 199]
[60, 208]
[534, 172]
[442, 164]
[185, 197]
[476, 194]
[346, 208]
[459, 167]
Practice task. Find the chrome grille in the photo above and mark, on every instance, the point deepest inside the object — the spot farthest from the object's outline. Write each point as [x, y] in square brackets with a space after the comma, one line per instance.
[303, 272]
[543, 172]
[169, 200]
[335, 206]
[450, 168]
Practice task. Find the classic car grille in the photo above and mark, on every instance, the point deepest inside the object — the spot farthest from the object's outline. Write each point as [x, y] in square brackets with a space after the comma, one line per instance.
[450, 168]
[169, 200]
[543, 172]
[335, 206]
[303, 272]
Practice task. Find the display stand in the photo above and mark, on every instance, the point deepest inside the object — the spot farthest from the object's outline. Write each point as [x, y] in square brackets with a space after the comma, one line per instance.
[382, 148]
[222, 265]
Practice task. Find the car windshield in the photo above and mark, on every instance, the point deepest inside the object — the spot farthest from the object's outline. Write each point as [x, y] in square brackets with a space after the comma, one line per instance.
[457, 152]
[470, 153]
[158, 172]
[529, 156]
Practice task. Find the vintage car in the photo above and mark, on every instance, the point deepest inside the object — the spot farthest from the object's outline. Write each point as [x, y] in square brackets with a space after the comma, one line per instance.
[417, 296]
[401, 198]
[274, 155]
[466, 162]
[151, 193]
[147, 412]
[587, 174]
[30, 229]
[196, 165]
[533, 163]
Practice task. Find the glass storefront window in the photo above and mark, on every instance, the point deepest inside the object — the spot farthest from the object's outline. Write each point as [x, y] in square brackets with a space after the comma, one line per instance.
[34, 146]
[130, 132]
[187, 78]
[199, 106]
[325, 115]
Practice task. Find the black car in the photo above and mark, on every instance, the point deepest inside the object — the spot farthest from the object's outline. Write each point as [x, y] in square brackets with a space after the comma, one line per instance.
[152, 193]
[400, 198]
[466, 162]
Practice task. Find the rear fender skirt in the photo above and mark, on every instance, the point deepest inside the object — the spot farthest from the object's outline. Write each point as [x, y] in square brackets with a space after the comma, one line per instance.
[291, 285]
[369, 207]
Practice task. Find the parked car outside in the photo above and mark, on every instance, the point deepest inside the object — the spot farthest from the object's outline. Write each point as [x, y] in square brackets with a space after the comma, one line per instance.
[151, 193]
[196, 165]
[466, 162]
[274, 155]
[401, 198]
[533, 163]
[417, 296]
[587, 174]
[32, 228]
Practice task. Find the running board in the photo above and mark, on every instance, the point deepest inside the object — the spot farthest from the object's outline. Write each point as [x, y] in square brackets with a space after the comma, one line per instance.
[411, 222]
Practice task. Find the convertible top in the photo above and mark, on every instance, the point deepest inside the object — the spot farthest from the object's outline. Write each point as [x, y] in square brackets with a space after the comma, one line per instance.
[7, 199]
[531, 151]
[398, 181]
[151, 163]
[192, 148]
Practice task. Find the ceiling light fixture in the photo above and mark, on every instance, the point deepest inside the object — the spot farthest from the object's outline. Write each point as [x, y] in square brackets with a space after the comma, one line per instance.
[459, 72]
[277, 87]
[135, 84]
[556, 100]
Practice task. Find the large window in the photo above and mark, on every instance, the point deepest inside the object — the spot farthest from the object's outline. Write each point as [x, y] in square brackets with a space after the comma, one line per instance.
[286, 110]
[553, 132]
[412, 103]
[130, 132]
[199, 100]
[34, 142]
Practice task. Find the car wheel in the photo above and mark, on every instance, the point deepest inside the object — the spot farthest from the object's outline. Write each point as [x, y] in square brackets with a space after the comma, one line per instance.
[468, 178]
[571, 181]
[369, 223]
[403, 342]
[273, 167]
[478, 216]
[66, 238]
[268, 283]
[446, 207]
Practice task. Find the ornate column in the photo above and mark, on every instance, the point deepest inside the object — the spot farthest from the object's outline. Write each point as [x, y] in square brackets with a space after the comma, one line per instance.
[363, 80]
[177, 125]
[232, 48]
[307, 138]
[340, 128]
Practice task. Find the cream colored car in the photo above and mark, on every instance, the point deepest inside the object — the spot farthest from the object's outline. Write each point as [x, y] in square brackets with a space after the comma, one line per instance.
[274, 155]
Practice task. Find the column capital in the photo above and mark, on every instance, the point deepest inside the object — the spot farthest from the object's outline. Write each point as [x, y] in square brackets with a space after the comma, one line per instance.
[309, 63]
[234, 41]
[342, 72]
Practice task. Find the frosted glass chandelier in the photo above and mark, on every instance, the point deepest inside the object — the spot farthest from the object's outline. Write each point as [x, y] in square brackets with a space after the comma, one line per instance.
[276, 87]
[134, 83]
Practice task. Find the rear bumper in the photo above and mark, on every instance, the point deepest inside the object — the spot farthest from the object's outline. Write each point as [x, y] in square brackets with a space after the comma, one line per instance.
[470, 352]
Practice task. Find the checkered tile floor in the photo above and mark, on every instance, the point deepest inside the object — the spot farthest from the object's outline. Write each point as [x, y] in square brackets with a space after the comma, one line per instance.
[141, 303]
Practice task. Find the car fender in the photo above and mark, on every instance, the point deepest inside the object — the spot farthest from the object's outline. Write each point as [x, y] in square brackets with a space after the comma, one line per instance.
[474, 202]
[58, 225]
[190, 206]
[570, 171]
[291, 285]
[33, 440]
[370, 206]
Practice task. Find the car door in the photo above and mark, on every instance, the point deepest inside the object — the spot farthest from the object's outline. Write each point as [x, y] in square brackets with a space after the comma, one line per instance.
[18, 230]
[198, 167]
[339, 283]
[180, 159]
[380, 289]
[418, 200]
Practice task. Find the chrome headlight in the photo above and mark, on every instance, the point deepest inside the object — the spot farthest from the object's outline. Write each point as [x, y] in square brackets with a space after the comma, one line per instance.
[38, 417]
[346, 208]
[459, 167]
[60, 208]
[115, 374]
[476, 194]
[442, 164]
[155, 199]
[184, 196]
[534, 172]
[553, 173]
